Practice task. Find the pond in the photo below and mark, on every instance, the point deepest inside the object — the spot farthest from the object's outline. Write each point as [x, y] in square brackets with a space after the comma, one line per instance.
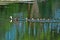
[22, 30]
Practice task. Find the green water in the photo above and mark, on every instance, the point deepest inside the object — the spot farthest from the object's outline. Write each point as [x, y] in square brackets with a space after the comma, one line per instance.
[27, 30]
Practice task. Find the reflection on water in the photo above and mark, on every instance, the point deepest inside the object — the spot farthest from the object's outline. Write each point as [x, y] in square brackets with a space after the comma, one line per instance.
[57, 13]
[20, 30]
[11, 34]
[21, 27]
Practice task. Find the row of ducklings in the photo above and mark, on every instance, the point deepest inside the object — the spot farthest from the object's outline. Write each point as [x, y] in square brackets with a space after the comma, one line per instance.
[37, 19]
[17, 19]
